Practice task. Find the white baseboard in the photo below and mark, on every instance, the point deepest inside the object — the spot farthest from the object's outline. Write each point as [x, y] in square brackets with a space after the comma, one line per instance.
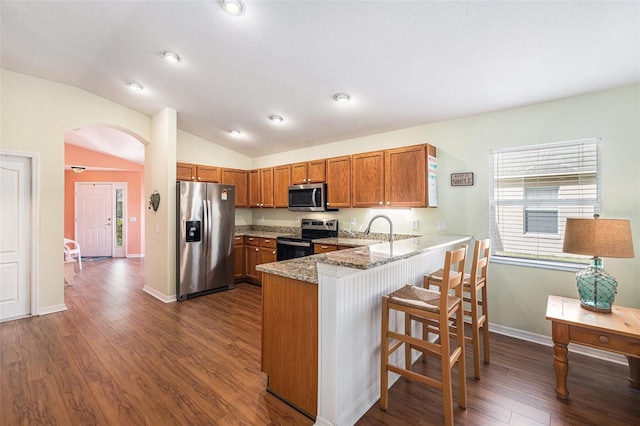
[162, 297]
[541, 339]
[52, 309]
[135, 255]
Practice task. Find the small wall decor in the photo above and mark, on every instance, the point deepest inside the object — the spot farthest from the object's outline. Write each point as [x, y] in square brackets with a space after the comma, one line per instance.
[154, 200]
[462, 179]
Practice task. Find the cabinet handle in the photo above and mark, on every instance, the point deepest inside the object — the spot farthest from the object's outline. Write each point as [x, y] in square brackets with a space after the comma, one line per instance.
[603, 339]
[199, 178]
[388, 202]
[273, 252]
[380, 203]
[257, 249]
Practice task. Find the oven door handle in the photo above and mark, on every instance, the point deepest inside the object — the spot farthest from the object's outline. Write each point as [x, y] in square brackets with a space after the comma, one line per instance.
[294, 243]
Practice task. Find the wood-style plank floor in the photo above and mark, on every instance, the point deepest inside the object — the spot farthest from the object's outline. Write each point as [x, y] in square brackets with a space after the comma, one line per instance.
[120, 357]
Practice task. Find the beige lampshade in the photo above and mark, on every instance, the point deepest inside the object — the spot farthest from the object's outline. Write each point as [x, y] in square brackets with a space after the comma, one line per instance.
[598, 237]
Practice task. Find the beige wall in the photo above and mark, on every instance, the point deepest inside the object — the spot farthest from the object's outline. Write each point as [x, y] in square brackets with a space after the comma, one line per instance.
[518, 294]
[35, 114]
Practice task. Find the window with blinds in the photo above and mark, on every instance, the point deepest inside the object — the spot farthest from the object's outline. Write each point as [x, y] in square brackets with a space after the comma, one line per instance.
[534, 190]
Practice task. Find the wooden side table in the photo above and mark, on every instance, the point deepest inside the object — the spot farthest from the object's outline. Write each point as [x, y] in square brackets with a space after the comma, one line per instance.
[618, 331]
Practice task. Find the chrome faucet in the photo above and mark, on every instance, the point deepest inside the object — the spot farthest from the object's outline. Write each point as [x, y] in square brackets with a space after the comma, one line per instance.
[366, 231]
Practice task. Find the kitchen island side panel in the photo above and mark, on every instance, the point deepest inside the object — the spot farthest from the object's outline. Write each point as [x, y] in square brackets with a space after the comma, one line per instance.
[349, 332]
[290, 340]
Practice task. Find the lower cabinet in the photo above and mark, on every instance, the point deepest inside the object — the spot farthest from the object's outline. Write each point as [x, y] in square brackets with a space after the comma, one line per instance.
[323, 248]
[257, 251]
[251, 253]
[239, 253]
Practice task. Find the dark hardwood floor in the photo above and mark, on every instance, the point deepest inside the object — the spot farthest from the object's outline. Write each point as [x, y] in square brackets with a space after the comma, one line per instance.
[120, 357]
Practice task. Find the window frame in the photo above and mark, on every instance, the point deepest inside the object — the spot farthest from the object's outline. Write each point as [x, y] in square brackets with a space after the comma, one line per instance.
[499, 201]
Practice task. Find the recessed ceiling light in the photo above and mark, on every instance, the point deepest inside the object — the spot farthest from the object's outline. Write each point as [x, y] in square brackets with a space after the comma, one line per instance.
[233, 7]
[276, 119]
[341, 98]
[235, 132]
[174, 58]
[137, 87]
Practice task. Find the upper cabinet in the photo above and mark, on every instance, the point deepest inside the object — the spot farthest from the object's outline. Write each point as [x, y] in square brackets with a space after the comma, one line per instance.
[207, 174]
[281, 182]
[240, 179]
[185, 171]
[261, 187]
[405, 180]
[367, 182]
[400, 177]
[392, 178]
[339, 182]
[308, 172]
[197, 173]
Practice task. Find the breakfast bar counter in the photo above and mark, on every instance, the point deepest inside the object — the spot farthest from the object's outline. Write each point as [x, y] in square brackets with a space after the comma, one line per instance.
[321, 322]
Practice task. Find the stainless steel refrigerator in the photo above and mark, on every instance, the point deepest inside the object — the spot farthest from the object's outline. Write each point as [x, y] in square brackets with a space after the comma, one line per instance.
[205, 254]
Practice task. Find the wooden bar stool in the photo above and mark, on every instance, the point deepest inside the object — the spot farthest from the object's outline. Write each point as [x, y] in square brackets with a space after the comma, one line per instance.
[421, 305]
[478, 311]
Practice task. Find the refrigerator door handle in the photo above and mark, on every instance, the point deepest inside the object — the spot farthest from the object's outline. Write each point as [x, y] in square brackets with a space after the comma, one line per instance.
[205, 233]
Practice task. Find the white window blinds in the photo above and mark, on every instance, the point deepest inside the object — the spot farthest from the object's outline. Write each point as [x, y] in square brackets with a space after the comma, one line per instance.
[534, 190]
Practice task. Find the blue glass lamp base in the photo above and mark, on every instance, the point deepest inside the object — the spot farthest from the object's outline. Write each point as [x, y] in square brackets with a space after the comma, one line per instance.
[596, 287]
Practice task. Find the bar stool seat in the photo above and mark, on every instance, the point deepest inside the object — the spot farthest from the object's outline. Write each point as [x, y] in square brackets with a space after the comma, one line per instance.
[427, 306]
[478, 311]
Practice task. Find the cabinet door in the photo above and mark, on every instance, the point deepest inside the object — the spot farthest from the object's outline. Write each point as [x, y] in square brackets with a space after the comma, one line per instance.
[185, 171]
[207, 174]
[316, 171]
[281, 182]
[405, 177]
[339, 181]
[298, 173]
[239, 252]
[266, 187]
[254, 188]
[251, 254]
[239, 178]
[367, 181]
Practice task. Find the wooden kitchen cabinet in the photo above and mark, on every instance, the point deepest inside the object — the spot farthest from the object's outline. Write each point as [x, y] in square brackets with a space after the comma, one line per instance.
[405, 180]
[308, 172]
[239, 262]
[268, 250]
[281, 182]
[323, 248]
[261, 187]
[185, 171]
[251, 256]
[367, 179]
[207, 174]
[339, 182]
[240, 179]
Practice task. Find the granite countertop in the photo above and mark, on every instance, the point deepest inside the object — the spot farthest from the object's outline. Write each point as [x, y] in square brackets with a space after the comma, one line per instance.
[347, 242]
[305, 268]
[260, 234]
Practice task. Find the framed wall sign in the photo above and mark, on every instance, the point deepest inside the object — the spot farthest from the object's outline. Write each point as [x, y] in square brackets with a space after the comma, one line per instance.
[462, 179]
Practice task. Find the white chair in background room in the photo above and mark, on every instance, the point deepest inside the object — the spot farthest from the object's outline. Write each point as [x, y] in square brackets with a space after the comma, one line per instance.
[72, 251]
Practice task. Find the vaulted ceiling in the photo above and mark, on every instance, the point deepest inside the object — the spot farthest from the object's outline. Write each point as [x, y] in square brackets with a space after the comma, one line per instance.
[403, 63]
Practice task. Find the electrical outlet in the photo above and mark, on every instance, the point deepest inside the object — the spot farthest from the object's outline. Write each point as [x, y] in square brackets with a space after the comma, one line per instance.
[297, 219]
[353, 221]
[442, 226]
[414, 224]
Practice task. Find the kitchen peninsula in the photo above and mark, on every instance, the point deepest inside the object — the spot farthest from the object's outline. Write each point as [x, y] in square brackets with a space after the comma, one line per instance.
[321, 322]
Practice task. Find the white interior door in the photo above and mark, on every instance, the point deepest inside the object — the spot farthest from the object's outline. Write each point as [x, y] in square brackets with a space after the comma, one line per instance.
[94, 208]
[15, 236]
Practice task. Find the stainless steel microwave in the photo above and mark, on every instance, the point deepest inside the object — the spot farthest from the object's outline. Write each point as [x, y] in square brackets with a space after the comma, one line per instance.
[308, 198]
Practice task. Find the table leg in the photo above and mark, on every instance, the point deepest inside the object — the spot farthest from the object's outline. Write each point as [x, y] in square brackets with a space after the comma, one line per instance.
[634, 371]
[560, 334]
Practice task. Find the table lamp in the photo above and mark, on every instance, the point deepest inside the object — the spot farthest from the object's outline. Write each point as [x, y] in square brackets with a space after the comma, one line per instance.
[598, 238]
